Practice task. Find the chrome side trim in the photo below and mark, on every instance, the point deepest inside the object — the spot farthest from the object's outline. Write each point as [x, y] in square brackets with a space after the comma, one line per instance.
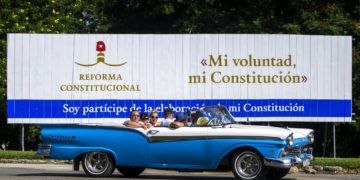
[185, 138]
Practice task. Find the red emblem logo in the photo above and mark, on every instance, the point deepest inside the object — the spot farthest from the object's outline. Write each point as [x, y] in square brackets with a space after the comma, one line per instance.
[100, 47]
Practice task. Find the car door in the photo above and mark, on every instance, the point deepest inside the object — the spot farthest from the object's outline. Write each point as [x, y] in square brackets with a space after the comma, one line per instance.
[179, 148]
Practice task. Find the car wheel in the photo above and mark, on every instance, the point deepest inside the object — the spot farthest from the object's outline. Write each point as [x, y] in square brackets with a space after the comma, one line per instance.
[248, 164]
[98, 164]
[277, 173]
[130, 171]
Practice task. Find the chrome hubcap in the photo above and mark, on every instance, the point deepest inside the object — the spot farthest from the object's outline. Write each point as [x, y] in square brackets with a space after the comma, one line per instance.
[97, 162]
[247, 165]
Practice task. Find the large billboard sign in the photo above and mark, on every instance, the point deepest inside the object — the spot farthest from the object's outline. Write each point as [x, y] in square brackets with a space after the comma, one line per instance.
[100, 78]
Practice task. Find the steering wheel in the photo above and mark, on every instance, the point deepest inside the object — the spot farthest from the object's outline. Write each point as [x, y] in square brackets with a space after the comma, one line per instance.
[218, 120]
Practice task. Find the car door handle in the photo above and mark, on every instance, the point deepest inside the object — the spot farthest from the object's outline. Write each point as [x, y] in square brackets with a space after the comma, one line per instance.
[152, 132]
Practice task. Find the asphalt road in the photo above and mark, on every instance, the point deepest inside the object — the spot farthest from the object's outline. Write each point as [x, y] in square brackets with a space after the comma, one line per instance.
[64, 172]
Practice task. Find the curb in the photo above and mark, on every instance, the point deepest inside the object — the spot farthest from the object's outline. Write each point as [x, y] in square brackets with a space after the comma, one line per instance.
[322, 170]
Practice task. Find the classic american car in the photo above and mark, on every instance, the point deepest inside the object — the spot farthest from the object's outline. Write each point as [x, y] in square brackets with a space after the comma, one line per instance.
[213, 142]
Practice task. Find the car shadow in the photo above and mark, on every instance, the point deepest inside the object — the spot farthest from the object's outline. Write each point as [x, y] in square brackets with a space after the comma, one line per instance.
[177, 177]
[66, 175]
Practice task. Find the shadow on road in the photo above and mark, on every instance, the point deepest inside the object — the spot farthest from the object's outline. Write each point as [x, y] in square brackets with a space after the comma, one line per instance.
[178, 177]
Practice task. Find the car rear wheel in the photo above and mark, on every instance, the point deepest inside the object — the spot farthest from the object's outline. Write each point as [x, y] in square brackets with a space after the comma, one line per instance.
[98, 164]
[248, 164]
[277, 173]
[130, 171]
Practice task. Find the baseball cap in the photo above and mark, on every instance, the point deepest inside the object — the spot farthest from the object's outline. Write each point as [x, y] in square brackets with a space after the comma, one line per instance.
[180, 117]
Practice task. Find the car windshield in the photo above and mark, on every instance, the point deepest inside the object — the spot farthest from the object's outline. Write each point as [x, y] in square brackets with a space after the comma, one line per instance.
[212, 116]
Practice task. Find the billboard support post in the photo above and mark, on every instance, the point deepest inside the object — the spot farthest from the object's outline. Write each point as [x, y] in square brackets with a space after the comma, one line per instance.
[334, 139]
[22, 138]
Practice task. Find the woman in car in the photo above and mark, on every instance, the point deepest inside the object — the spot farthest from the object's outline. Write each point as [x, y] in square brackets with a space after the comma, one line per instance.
[154, 116]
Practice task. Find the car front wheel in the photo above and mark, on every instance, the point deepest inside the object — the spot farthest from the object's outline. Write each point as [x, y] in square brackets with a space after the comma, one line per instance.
[248, 164]
[98, 164]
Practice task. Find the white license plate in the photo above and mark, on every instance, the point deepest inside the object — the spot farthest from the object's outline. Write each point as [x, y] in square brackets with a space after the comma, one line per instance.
[306, 162]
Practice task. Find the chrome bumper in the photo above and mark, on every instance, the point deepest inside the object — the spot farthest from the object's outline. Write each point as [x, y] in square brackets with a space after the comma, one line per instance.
[290, 161]
[43, 150]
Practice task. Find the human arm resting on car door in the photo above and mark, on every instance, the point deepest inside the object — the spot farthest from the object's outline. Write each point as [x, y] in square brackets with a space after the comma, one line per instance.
[133, 124]
[176, 124]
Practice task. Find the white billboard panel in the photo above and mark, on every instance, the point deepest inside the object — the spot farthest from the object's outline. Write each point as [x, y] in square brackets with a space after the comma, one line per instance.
[97, 78]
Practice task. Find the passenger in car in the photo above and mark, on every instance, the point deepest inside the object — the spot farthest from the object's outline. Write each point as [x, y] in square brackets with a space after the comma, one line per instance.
[180, 121]
[144, 120]
[154, 115]
[169, 117]
[134, 121]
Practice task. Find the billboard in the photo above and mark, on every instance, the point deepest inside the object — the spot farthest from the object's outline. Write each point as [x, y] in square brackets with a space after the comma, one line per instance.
[100, 78]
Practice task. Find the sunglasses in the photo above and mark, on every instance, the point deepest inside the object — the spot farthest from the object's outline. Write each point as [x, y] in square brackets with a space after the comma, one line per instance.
[154, 117]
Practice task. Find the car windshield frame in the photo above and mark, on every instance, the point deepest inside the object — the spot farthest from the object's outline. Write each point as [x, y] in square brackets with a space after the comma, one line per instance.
[209, 116]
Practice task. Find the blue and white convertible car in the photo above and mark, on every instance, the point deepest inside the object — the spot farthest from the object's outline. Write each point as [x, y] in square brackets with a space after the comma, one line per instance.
[214, 142]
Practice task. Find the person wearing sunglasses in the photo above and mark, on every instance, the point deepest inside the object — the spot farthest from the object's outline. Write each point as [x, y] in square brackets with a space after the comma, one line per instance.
[134, 121]
[154, 116]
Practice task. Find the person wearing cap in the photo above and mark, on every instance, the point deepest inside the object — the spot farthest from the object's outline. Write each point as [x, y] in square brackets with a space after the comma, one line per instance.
[134, 121]
[180, 121]
[154, 116]
[169, 117]
[144, 120]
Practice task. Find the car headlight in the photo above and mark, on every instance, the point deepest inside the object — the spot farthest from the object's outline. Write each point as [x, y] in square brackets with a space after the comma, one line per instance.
[311, 137]
[290, 140]
[283, 153]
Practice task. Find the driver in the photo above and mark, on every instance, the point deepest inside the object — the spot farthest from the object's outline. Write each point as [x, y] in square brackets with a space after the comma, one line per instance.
[180, 121]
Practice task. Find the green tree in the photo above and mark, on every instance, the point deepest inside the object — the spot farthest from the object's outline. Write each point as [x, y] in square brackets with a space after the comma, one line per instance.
[41, 16]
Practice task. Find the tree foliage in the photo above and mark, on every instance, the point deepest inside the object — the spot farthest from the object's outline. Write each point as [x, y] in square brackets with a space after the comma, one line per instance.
[41, 16]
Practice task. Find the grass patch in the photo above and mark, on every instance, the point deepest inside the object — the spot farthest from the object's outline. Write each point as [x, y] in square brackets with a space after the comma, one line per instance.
[19, 155]
[347, 163]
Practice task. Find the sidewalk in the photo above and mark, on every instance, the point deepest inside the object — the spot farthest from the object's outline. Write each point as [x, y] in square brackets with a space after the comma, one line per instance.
[56, 167]
[34, 161]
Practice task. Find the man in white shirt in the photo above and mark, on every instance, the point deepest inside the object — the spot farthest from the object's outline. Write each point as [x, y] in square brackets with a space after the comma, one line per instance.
[169, 117]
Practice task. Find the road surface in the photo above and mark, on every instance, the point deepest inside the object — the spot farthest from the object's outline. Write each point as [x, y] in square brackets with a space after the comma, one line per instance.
[64, 172]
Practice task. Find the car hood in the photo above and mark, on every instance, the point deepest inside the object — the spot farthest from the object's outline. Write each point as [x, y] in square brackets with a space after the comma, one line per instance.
[262, 131]
[300, 132]
[270, 131]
